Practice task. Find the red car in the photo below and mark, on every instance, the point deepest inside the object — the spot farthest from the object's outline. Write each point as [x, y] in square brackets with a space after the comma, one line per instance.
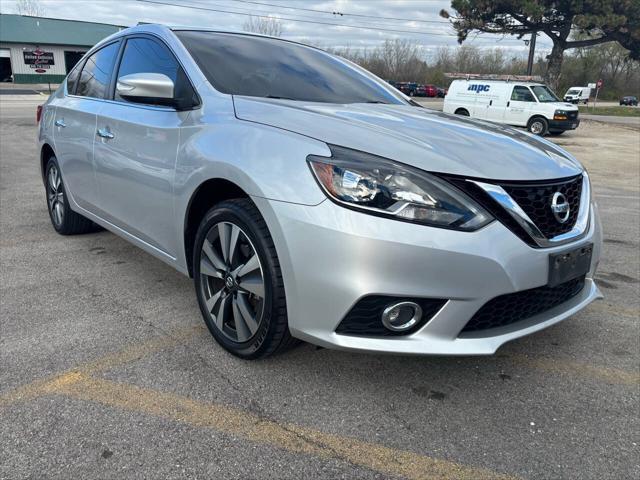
[431, 91]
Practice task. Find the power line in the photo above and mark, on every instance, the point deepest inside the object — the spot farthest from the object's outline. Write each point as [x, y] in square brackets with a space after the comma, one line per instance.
[253, 12]
[362, 27]
[341, 14]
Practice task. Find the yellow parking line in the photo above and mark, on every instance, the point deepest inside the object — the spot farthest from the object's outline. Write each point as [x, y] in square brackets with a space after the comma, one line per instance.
[293, 438]
[567, 367]
[129, 354]
[615, 310]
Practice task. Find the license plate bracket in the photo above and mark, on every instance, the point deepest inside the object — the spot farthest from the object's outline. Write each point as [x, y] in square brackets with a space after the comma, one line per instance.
[565, 266]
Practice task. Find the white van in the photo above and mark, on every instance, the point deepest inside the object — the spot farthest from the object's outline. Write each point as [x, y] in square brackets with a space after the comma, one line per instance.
[577, 95]
[523, 104]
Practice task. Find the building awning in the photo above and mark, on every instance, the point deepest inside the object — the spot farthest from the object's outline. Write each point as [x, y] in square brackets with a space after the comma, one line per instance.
[51, 31]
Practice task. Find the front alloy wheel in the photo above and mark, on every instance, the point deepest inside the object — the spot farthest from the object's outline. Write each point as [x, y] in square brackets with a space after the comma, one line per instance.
[232, 281]
[238, 281]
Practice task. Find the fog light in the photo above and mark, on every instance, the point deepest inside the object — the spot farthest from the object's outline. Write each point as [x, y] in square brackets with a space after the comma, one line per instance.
[401, 316]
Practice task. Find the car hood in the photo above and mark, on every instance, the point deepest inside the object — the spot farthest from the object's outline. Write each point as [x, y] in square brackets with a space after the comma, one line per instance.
[564, 105]
[424, 138]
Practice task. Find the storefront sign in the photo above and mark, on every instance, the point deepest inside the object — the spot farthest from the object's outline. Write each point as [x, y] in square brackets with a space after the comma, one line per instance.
[38, 59]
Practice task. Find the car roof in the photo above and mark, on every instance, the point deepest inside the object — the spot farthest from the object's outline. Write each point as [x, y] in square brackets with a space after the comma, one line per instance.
[159, 28]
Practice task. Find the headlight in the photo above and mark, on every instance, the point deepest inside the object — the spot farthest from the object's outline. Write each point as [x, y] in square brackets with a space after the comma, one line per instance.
[380, 186]
[560, 115]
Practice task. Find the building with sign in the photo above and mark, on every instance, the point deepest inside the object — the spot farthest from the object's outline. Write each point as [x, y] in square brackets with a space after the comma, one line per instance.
[43, 50]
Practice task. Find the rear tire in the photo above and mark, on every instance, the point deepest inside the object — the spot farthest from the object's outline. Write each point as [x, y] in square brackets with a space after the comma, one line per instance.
[239, 283]
[64, 220]
[462, 111]
[538, 126]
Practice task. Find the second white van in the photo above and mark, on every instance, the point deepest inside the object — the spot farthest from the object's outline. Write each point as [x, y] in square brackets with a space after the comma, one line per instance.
[577, 95]
[522, 104]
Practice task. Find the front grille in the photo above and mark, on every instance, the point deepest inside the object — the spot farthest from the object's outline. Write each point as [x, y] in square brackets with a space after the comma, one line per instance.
[364, 319]
[535, 200]
[514, 307]
[572, 115]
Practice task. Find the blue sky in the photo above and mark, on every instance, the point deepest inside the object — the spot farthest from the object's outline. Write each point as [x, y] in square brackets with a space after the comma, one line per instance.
[420, 17]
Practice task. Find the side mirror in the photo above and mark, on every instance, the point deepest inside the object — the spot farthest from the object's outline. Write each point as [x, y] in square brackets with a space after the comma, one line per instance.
[154, 88]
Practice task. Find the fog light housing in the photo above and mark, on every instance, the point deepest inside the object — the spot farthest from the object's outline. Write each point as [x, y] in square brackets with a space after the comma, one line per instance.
[401, 316]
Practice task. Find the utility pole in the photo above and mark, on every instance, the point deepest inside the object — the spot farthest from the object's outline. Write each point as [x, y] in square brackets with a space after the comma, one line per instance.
[532, 51]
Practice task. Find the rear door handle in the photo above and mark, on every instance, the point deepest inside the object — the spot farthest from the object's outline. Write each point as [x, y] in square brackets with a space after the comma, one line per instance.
[105, 133]
[60, 123]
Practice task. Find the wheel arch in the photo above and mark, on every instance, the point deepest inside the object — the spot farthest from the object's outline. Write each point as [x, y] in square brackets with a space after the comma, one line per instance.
[537, 115]
[459, 110]
[209, 193]
[46, 152]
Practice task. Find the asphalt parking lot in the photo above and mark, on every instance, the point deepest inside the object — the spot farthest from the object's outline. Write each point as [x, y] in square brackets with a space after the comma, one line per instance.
[106, 370]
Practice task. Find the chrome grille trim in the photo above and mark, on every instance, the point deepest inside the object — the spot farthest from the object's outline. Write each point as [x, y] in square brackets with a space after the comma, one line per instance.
[499, 194]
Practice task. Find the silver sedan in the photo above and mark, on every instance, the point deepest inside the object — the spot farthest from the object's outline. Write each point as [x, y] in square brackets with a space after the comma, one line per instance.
[310, 200]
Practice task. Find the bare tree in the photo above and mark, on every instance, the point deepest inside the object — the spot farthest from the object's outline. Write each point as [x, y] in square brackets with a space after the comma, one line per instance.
[402, 59]
[264, 26]
[31, 8]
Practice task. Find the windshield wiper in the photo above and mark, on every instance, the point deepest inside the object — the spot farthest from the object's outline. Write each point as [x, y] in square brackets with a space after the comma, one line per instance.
[279, 98]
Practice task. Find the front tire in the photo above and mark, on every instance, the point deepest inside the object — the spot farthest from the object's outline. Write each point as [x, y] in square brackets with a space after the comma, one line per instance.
[238, 281]
[538, 126]
[64, 220]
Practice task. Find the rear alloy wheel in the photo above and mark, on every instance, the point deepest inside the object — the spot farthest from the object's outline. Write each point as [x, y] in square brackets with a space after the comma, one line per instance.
[538, 126]
[64, 220]
[238, 281]
[55, 196]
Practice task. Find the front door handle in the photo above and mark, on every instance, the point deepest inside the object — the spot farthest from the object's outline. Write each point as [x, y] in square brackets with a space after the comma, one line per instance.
[105, 133]
[508, 103]
[60, 123]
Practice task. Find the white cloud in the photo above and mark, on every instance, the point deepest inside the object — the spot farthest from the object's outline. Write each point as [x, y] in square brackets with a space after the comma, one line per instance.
[423, 20]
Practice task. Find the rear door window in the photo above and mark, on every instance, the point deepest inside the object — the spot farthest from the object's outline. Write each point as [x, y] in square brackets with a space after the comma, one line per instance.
[96, 73]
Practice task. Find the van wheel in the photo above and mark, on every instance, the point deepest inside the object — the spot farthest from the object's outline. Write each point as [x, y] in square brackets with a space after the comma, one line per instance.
[462, 111]
[238, 281]
[64, 220]
[538, 126]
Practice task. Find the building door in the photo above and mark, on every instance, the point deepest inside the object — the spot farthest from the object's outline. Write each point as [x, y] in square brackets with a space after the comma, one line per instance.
[70, 59]
[6, 74]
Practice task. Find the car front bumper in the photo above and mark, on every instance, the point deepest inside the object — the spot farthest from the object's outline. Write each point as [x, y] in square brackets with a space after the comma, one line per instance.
[332, 256]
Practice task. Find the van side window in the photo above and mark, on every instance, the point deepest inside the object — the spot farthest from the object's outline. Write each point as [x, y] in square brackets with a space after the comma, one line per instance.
[94, 79]
[144, 55]
[522, 94]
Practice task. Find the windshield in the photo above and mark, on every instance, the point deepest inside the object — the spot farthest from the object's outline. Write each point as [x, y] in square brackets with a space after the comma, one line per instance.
[573, 92]
[239, 64]
[544, 94]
